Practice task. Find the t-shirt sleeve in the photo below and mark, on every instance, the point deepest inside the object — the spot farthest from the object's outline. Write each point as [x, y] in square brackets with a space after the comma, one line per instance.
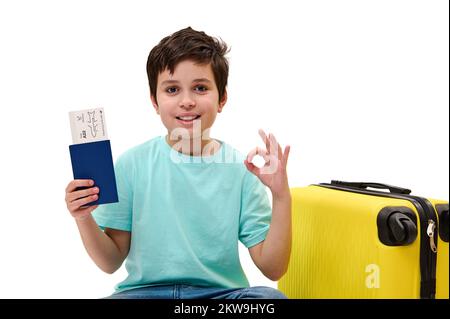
[256, 211]
[118, 215]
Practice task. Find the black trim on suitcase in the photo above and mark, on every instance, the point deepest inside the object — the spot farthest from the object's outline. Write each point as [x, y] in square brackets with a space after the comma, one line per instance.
[444, 224]
[392, 189]
[428, 225]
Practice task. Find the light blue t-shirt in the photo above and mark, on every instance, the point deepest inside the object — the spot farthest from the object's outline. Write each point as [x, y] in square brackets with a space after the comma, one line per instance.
[186, 215]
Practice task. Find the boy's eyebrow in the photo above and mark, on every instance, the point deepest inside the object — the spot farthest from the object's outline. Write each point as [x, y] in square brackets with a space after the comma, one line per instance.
[202, 80]
[169, 82]
[195, 80]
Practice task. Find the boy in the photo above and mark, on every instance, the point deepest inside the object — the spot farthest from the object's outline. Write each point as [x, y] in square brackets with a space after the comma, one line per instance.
[186, 199]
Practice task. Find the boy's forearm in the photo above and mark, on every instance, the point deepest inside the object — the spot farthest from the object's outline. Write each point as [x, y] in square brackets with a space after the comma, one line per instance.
[100, 247]
[276, 249]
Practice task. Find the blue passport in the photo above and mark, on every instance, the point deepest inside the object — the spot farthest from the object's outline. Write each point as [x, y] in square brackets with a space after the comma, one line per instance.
[94, 161]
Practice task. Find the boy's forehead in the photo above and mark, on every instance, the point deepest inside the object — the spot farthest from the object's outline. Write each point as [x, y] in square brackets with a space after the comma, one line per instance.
[188, 70]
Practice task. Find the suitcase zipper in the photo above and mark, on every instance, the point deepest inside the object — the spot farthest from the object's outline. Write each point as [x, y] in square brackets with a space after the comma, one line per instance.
[428, 240]
[428, 247]
[430, 233]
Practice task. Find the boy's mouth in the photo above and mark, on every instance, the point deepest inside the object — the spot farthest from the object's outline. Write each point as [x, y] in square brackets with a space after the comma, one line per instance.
[187, 119]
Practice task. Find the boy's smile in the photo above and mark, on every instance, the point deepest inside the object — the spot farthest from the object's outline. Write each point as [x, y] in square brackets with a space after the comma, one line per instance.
[188, 99]
[188, 118]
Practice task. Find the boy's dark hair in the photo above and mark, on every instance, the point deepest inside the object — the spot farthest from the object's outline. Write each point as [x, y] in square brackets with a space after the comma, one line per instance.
[188, 44]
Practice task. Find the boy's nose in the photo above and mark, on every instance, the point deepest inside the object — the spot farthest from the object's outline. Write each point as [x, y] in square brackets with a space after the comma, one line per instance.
[187, 102]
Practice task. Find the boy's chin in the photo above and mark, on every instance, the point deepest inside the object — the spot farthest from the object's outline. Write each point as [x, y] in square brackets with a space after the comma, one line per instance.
[184, 133]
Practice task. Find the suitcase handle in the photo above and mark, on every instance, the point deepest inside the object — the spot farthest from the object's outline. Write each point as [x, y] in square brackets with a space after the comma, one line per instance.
[392, 189]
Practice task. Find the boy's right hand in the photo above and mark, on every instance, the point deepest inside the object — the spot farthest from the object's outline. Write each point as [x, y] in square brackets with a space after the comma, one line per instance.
[77, 198]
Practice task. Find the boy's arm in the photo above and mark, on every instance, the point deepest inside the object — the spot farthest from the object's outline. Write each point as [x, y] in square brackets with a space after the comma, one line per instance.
[272, 255]
[107, 249]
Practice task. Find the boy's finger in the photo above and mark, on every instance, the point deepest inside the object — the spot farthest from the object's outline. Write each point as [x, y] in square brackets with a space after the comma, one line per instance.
[81, 193]
[78, 183]
[287, 149]
[271, 165]
[275, 146]
[76, 204]
[264, 138]
[257, 151]
[252, 168]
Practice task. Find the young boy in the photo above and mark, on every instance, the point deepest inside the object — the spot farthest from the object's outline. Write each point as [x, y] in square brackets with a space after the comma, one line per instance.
[186, 199]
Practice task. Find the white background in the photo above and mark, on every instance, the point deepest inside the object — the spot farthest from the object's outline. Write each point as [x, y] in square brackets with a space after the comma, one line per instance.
[359, 89]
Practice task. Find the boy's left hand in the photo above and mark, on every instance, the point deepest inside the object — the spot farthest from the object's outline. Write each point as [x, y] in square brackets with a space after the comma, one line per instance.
[273, 174]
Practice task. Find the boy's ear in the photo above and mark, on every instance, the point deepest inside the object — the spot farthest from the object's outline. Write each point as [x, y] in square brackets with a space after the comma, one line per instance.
[155, 104]
[223, 101]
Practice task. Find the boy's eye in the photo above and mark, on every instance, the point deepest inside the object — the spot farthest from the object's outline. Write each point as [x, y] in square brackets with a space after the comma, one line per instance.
[171, 90]
[201, 88]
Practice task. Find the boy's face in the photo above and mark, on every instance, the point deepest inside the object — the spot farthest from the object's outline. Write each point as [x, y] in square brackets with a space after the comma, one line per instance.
[189, 94]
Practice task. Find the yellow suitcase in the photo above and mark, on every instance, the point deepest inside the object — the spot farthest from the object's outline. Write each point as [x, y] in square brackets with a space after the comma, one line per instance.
[351, 241]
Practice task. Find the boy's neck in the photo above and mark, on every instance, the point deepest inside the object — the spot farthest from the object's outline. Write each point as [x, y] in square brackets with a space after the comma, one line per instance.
[196, 146]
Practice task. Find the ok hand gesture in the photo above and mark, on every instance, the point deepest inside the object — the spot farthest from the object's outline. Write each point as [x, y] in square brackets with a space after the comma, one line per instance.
[273, 174]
